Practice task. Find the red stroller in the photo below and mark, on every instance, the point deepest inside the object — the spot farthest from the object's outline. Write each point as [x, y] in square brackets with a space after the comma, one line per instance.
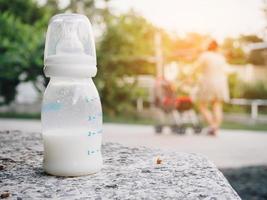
[175, 112]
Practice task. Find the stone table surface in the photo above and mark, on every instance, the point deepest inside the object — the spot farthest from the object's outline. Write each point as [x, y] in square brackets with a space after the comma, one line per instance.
[128, 173]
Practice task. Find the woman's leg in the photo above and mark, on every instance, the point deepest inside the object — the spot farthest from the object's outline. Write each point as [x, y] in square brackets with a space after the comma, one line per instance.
[203, 107]
[217, 113]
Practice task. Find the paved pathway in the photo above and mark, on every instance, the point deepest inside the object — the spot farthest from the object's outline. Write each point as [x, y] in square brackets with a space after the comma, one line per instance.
[232, 148]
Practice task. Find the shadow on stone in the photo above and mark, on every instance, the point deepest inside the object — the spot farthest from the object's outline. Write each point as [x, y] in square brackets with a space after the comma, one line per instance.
[249, 182]
[39, 172]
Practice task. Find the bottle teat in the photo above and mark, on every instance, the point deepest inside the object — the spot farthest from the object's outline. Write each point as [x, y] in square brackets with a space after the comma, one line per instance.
[69, 41]
[70, 47]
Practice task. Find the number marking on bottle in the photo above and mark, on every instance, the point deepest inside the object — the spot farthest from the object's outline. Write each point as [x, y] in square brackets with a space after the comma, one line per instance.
[91, 118]
[90, 99]
[91, 152]
[91, 133]
[94, 117]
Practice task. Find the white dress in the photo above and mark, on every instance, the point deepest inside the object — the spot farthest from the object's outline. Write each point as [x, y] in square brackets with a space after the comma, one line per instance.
[213, 84]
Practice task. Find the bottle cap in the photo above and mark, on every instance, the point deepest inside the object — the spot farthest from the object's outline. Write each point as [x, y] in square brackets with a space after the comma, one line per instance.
[70, 47]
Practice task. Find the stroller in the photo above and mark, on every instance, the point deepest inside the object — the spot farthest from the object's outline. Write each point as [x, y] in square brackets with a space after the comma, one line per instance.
[175, 112]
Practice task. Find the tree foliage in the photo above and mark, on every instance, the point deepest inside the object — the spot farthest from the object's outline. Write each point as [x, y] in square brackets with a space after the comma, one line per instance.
[22, 35]
[123, 50]
[258, 90]
[234, 50]
[21, 46]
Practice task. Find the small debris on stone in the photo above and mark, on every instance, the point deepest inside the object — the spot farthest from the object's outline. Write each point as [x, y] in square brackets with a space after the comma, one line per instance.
[5, 195]
[112, 186]
[158, 161]
[2, 167]
[146, 171]
[7, 160]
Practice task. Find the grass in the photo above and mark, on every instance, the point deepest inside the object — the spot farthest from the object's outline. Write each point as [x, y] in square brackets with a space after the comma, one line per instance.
[20, 115]
[242, 126]
[144, 121]
[128, 120]
[226, 125]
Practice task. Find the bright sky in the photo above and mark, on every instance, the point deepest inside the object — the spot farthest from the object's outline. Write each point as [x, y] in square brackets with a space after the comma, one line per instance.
[220, 18]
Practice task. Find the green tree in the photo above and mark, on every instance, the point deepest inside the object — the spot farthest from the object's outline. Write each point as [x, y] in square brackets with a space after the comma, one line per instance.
[234, 51]
[89, 7]
[21, 47]
[22, 36]
[257, 90]
[255, 57]
[123, 51]
[27, 11]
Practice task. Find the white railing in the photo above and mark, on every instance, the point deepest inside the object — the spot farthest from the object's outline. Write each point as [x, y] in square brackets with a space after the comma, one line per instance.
[253, 103]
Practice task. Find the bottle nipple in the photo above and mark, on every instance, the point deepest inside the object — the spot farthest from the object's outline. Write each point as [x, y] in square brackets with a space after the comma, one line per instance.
[70, 47]
[69, 43]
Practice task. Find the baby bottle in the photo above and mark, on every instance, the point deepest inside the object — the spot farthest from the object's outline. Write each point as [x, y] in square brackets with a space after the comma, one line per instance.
[71, 109]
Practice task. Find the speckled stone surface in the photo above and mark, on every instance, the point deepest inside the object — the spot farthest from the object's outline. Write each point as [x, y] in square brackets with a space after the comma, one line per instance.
[128, 173]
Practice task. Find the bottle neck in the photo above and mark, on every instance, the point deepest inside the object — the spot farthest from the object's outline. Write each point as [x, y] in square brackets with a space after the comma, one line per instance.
[72, 80]
[62, 78]
[70, 66]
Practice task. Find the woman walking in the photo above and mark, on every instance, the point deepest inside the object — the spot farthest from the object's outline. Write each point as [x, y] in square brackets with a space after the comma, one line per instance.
[212, 86]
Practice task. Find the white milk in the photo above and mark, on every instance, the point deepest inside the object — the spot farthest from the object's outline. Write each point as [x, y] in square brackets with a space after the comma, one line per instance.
[72, 152]
[72, 127]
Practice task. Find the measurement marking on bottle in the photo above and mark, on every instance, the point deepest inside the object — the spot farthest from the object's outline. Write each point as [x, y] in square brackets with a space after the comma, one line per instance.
[94, 117]
[91, 133]
[91, 152]
[91, 118]
[90, 99]
[53, 106]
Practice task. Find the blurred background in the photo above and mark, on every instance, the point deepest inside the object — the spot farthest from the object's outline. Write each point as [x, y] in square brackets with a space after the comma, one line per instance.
[138, 41]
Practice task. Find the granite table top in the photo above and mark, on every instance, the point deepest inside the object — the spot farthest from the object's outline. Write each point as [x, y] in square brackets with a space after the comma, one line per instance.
[128, 173]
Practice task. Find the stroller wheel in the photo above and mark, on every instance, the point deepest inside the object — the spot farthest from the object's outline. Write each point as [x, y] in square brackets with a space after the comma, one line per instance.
[197, 129]
[174, 128]
[181, 130]
[158, 129]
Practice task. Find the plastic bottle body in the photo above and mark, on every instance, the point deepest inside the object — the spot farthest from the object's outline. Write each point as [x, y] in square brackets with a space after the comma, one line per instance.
[72, 127]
